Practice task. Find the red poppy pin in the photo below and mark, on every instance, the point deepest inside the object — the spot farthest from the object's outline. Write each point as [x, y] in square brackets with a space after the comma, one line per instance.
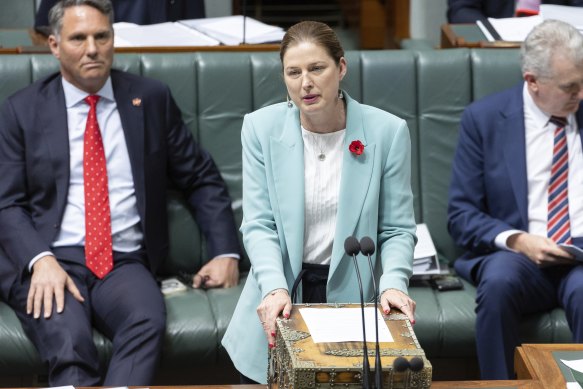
[356, 147]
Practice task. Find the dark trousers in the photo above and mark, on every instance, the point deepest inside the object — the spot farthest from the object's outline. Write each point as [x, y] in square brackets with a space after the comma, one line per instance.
[511, 286]
[314, 281]
[126, 306]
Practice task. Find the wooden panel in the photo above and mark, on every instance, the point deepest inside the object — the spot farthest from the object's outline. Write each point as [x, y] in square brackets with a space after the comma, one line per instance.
[536, 361]
[381, 24]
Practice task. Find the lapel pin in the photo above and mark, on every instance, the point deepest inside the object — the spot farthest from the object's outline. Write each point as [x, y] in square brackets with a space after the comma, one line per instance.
[137, 102]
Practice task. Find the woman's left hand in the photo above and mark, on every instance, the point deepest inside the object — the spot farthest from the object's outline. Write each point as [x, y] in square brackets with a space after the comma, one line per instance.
[393, 298]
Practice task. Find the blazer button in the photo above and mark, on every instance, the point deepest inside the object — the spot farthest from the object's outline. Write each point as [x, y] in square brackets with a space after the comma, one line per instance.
[56, 226]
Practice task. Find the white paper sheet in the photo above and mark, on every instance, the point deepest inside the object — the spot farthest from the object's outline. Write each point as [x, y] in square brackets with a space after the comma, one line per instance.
[424, 247]
[61, 387]
[565, 13]
[425, 261]
[344, 325]
[575, 365]
[159, 35]
[515, 29]
[229, 29]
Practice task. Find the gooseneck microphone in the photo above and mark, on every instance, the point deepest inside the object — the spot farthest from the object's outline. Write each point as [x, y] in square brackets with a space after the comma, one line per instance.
[416, 364]
[367, 247]
[352, 248]
[244, 20]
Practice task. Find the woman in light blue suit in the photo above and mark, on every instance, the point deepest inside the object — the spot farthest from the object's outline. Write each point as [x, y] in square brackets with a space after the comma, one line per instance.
[317, 170]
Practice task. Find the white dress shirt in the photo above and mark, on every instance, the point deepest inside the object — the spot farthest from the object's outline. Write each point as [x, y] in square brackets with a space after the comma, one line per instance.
[127, 235]
[322, 190]
[126, 232]
[539, 154]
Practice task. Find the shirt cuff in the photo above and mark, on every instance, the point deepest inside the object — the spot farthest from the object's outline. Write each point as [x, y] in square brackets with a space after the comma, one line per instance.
[228, 255]
[501, 239]
[36, 258]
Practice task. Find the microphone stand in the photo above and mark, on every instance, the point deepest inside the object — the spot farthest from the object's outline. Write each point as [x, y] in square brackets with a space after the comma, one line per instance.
[244, 19]
[367, 248]
[352, 247]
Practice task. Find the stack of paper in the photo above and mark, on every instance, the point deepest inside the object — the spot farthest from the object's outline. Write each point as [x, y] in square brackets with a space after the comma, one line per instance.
[425, 259]
[234, 30]
[571, 15]
[516, 29]
[159, 35]
[229, 30]
[510, 29]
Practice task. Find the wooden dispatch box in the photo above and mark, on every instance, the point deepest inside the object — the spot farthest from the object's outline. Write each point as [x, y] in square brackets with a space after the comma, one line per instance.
[297, 362]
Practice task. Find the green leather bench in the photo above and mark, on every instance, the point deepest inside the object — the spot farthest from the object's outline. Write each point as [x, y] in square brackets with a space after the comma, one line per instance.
[429, 88]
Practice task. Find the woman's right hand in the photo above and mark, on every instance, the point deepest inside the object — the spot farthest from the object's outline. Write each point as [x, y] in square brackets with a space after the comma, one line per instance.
[276, 302]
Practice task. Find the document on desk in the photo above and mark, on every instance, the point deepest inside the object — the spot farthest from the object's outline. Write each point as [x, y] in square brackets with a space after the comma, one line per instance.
[576, 369]
[169, 34]
[425, 260]
[61, 387]
[230, 30]
[511, 29]
[565, 13]
[344, 325]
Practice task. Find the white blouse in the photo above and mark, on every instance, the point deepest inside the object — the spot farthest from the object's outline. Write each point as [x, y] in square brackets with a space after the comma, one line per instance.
[322, 171]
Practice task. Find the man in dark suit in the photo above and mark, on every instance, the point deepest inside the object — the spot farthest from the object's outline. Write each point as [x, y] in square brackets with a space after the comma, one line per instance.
[86, 156]
[139, 11]
[468, 11]
[517, 193]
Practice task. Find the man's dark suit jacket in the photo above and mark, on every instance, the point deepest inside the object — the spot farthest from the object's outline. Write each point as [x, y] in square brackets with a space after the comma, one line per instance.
[139, 11]
[34, 171]
[468, 11]
[489, 190]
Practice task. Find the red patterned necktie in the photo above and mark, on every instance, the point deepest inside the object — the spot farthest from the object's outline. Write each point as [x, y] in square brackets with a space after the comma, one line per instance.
[558, 224]
[98, 247]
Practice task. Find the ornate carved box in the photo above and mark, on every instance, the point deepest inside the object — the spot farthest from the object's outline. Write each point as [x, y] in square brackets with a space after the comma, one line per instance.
[297, 362]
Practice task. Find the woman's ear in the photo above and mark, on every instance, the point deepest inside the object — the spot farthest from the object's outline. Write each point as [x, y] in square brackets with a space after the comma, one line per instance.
[343, 67]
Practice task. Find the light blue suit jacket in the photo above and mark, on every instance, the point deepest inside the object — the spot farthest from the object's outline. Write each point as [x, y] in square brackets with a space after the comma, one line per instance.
[375, 200]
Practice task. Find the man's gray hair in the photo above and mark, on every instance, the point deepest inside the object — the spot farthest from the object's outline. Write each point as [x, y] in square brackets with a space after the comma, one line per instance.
[58, 11]
[547, 39]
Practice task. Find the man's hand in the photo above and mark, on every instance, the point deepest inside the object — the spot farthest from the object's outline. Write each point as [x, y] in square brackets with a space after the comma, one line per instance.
[49, 281]
[219, 272]
[539, 249]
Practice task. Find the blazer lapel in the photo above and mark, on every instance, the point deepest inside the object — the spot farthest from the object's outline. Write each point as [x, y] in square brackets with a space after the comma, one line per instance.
[515, 152]
[287, 159]
[354, 181]
[52, 118]
[131, 112]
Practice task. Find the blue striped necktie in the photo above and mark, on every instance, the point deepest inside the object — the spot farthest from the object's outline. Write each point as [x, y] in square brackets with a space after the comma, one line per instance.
[558, 224]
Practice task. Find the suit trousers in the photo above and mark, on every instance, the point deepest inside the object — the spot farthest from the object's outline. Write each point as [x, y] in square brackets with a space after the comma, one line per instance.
[511, 286]
[126, 306]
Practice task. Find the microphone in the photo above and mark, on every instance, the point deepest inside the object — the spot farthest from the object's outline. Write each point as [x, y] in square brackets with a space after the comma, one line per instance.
[416, 364]
[352, 247]
[400, 364]
[367, 247]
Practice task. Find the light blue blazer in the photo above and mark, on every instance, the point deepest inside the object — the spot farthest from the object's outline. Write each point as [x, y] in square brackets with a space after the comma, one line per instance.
[375, 200]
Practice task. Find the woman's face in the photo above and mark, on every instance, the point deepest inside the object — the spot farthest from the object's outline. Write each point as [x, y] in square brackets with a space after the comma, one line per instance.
[312, 77]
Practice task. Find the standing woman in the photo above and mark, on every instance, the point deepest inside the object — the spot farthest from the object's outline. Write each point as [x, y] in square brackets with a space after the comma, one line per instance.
[316, 170]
